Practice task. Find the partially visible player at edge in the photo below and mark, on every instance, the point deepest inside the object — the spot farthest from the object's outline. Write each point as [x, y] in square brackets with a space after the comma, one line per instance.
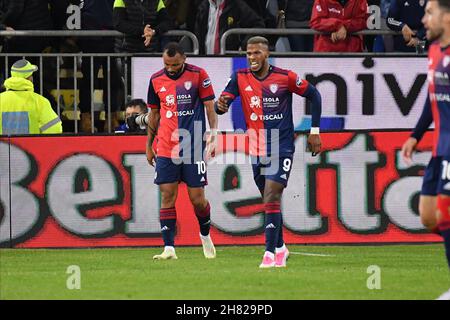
[266, 95]
[434, 203]
[178, 96]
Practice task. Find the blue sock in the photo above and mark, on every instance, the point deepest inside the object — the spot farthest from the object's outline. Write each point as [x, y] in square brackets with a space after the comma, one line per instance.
[272, 225]
[204, 219]
[168, 220]
[280, 241]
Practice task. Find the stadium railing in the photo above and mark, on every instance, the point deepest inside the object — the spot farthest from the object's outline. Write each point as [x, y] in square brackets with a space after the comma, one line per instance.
[286, 32]
[76, 56]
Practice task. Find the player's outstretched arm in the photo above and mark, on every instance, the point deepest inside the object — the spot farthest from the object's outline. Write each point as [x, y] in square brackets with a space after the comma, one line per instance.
[211, 143]
[314, 142]
[153, 123]
[426, 118]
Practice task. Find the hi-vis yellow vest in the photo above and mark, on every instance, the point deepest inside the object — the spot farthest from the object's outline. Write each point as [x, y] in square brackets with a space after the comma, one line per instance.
[22, 111]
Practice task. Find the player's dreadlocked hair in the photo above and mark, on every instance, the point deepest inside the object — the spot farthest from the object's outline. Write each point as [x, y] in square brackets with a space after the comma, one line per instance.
[172, 48]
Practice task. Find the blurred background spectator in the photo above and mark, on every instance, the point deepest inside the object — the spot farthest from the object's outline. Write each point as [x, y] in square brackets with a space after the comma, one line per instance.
[263, 9]
[33, 15]
[97, 15]
[298, 15]
[406, 16]
[214, 17]
[131, 18]
[338, 19]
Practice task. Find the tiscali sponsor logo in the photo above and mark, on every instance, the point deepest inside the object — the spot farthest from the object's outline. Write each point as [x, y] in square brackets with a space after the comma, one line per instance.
[440, 97]
[266, 117]
[183, 113]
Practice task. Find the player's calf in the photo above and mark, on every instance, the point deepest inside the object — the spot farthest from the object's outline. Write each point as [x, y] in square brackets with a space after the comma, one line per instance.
[443, 203]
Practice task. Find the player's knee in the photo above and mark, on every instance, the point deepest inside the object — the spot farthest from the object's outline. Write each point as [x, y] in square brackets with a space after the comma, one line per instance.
[429, 222]
[199, 202]
[272, 196]
[168, 199]
[428, 215]
[443, 204]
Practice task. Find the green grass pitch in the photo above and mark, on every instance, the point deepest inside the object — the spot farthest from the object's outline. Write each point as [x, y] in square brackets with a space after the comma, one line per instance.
[313, 272]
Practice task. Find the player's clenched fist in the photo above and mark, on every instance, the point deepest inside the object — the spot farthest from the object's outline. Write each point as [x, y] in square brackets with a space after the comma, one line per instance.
[222, 104]
[314, 143]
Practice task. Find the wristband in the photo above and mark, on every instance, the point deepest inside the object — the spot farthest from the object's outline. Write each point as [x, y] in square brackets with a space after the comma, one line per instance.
[213, 132]
[315, 130]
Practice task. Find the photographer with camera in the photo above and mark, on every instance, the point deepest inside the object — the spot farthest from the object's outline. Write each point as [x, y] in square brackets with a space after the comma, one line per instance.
[136, 117]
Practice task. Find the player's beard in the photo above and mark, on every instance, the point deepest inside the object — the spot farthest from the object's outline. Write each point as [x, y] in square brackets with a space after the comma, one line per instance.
[432, 36]
[173, 74]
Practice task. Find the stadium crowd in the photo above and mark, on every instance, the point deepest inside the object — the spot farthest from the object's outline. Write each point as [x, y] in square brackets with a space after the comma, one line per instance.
[144, 22]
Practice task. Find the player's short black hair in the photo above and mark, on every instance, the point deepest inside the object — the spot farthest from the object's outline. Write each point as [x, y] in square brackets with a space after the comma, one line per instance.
[137, 102]
[172, 48]
[258, 39]
[444, 4]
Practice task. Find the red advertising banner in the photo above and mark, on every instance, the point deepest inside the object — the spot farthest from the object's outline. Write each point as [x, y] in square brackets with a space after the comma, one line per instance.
[89, 191]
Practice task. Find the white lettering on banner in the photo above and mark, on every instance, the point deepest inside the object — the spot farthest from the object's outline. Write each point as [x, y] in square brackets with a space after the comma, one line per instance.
[224, 218]
[396, 203]
[68, 202]
[24, 207]
[83, 182]
[352, 171]
[298, 215]
[144, 196]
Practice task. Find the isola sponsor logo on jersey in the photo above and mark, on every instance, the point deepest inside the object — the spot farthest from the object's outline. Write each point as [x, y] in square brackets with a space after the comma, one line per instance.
[271, 102]
[184, 99]
[441, 79]
[266, 117]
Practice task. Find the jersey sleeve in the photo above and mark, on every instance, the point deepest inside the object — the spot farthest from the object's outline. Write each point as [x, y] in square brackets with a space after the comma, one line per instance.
[153, 101]
[426, 118]
[232, 88]
[205, 87]
[296, 84]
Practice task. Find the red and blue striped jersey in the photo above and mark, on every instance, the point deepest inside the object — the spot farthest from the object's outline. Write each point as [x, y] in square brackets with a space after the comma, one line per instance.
[439, 95]
[267, 108]
[180, 101]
